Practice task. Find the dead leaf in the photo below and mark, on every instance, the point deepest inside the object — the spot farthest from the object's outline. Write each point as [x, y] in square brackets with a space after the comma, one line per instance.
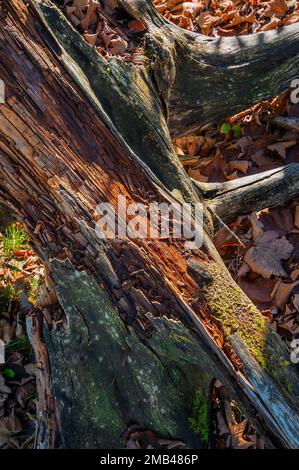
[288, 328]
[9, 426]
[23, 392]
[4, 388]
[241, 165]
[110, 5]
[296, 302]
[274, 7]
[206, 22]
[7, 331]
[91, 38]
[258, 290]
[243, 270]
[257, 226]
[281, 147]
[238, 441]
[273, 24]
[265, 257]
[282, 292]
[293, 18]
[23, 253]
[136, 26]
[222, 426]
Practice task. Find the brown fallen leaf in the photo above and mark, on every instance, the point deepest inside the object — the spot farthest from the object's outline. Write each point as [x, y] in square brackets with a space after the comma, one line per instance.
[296, 302]
[221, 424]
[258, 290]
[238, 437]
[273, 24]
[90, 16]
[7, 331]
[238, 19]
[243, 270]
[257, 226]
[265, 257]
[136, 26]
[293, 18]
[241, 165]
[294, 274]
[23, 392]
[206, 22]
[281, 147]
[118, 46]
[91, 38]
[274, 7]
[110, 5]
[9, 426]
[282, 292]
[288, 328]
[280, 220]
[4, 388]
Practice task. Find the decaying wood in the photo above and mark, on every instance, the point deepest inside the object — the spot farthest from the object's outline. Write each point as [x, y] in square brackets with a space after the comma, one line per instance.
[138, 323]
[47, 431]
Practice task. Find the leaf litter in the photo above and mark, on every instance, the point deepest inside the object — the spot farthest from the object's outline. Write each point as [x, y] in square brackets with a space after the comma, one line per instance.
[107, 28]
[229, 17]
[20, 275]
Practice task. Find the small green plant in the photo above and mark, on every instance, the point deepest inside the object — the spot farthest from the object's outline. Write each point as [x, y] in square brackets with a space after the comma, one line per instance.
[15, 238]
[21, 345]
[200, 419]
[226, 127]
[290, 387]
[8, 294]
[34, 285]
[9, 373]
[239, 413]
[284, 363]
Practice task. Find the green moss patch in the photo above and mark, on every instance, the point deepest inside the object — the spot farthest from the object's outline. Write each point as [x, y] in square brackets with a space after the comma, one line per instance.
[236, 313]
[199, 420]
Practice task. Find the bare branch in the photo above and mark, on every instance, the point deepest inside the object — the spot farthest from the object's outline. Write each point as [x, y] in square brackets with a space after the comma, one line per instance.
[252, 193]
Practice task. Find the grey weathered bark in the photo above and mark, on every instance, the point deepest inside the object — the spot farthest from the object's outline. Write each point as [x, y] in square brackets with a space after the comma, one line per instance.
[251, 193]
[220, 77]
[134, 333]
[207, 79]
[286, 122]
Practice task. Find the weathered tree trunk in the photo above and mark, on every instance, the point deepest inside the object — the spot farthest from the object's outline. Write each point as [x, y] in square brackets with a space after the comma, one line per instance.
[131, 333]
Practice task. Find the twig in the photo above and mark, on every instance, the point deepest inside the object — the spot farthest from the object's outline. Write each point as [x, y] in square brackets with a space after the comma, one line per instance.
[226, 227]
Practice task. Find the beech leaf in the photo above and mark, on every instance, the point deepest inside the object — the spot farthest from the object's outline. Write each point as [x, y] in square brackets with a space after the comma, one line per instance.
[265, 257]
